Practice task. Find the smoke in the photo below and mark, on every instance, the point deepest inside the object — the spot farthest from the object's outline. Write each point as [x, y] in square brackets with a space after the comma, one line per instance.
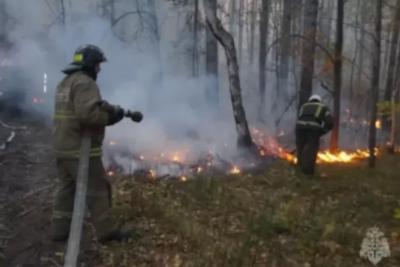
[177, 116]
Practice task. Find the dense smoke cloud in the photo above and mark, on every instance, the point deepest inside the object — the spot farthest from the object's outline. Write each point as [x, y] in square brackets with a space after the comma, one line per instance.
[177, 116]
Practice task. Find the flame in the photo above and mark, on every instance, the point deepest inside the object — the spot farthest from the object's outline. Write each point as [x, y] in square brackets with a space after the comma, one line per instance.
[270, 145]
[176, 158]
[378, 124]
[235, 170]
[199, 169]
[343, 156]
[181, 164]
[328, 157]
[153, 173]
[112, 143]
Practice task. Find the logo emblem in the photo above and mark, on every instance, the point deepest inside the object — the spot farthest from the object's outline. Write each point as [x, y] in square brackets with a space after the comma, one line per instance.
[374, 246]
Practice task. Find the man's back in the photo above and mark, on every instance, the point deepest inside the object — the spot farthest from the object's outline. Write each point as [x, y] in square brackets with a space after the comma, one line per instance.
[314, 115]
[77, 107]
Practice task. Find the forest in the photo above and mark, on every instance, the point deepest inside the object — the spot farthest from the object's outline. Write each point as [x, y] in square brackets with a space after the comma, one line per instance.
[215, 174]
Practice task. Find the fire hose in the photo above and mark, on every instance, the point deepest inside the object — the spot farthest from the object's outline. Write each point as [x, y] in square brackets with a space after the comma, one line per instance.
[78, 214]
[10, 138]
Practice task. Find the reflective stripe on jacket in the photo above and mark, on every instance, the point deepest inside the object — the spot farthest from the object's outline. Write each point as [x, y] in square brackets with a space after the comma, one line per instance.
[315, 115]
[77, 107]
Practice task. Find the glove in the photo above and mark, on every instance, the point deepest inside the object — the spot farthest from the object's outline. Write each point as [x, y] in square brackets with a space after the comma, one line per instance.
[136, 116]
[116, 115]
[106, 106]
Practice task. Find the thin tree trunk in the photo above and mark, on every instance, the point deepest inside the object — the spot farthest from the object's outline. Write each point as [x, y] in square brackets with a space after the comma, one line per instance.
[226, 40]
[394, 102]
[387, 38]
[337, 82]
[212, 62]
[361, 59]
[308, 50]
[157, 37]
[195, 55]
[393, 110]
[112, 13]
[232, 21]
[264, 20]
[3, 23]
[284, 52]
[62, 4]
[252, 29]
[240, 40]
[392, 62]
[355, 55]
[375, 83]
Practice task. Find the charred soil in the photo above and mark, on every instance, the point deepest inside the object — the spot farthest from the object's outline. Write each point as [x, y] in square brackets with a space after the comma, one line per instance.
[274, 218]
[27, 177]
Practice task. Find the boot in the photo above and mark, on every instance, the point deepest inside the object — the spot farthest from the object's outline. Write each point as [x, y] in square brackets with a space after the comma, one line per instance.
[119, 235]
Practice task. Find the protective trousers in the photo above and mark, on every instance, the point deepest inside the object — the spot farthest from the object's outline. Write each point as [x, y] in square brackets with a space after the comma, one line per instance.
[307, 145]
[98, 198]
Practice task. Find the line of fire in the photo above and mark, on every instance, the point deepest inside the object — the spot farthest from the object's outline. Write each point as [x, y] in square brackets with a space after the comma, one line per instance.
[99, 94]
[181, 163]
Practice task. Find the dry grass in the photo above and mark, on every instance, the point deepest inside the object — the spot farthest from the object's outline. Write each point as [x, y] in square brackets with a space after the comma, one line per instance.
[278, 218]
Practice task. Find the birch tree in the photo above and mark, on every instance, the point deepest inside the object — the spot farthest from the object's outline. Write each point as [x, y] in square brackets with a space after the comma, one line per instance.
[226, 40]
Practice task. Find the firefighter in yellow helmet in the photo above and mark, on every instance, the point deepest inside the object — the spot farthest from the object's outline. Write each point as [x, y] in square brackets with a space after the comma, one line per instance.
[79, 107]
[314, 120]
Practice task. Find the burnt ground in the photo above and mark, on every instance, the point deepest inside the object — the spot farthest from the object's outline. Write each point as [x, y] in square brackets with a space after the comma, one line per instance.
[275, 218]
[27, 176]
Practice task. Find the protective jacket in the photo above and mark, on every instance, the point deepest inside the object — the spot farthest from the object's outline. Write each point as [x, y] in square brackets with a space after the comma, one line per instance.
[315, 116]
[78, 107]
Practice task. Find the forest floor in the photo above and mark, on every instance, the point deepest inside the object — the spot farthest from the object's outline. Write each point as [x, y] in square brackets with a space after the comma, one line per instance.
[278, 218]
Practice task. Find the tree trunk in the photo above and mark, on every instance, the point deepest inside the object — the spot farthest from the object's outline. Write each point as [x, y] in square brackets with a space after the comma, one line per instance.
[355, 55]
[62, 4]
[283, 73]
[4, 25]
[264, 20]
[394, 102]
[240, 40]
[212, 90]
[362, 48]
[232, 21]
[393, 124]
[392, 62]
[325, 24]
[252, 29]
[337, 82]
[308, 50]
[195, 52]
[226, 40]
[157, 39]
[375, 82]
[112, 13]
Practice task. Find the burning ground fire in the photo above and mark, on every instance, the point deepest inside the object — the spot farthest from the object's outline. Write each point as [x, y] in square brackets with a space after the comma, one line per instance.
[325, 156]
[179, 165]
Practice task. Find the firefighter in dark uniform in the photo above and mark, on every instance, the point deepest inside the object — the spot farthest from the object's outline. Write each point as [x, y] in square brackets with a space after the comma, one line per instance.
[78, 108]
[314, 120]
